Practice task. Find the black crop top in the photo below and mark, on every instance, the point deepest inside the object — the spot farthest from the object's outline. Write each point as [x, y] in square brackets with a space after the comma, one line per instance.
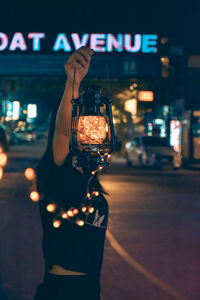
[70, 246]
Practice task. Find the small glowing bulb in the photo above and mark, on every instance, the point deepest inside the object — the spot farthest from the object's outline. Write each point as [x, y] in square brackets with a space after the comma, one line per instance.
[51, 207]
[100, 168]
[83, 209]
[64, 216]
[102, 159]
[96, 193]
[93, 172]
[34, 195]
[80, 222]
[29, 173]
[88, 195]
[70, 213]
[109, 155]
[1, 173]
[56, 223]
[3, 159]
[91, 210]
[75, 211]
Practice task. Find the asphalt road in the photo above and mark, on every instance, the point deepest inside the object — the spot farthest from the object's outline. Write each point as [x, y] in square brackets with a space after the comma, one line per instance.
[153, 240]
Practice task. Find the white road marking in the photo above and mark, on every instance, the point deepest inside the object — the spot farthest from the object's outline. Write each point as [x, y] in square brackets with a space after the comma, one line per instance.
[138, 267]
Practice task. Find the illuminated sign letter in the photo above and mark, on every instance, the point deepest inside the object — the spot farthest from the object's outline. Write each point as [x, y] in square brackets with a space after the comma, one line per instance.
[9, 111]
[36, 36]
[137, 43]
[62, 43]
[32, 111]
[16, 105]
[4, 41]
[79, 43]
[149, 43]
[97, 41]
[18, 42]
[113, 42]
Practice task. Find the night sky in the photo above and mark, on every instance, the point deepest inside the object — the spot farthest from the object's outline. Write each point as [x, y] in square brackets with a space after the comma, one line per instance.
[174, 18]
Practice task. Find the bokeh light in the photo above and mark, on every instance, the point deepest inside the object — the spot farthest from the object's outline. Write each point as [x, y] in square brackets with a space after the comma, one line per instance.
[56, 223]
[91, 210]
[1, 173]
[34, 195]
[29, 173]
[80, 222]
[3, 159]
[51, 207]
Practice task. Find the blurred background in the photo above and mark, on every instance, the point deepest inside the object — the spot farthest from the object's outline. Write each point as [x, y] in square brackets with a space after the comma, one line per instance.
[147, 59]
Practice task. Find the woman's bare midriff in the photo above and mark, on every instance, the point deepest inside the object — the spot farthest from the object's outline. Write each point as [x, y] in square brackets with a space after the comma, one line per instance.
[58, 270]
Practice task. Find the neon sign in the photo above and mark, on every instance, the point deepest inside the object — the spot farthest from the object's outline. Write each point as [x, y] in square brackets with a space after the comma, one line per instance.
[9, 111]
[99, 42]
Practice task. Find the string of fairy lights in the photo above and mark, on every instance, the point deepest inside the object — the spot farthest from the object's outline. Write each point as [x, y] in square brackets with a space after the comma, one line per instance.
[90, 133]
[76, 215]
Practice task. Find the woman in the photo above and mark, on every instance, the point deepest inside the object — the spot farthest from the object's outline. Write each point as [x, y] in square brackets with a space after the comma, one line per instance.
[73, 254]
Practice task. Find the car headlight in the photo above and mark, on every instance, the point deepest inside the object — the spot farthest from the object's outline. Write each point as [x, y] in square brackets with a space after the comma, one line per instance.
[128, 146]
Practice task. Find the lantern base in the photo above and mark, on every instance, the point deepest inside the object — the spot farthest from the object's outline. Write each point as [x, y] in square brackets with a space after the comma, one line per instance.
[85, 159]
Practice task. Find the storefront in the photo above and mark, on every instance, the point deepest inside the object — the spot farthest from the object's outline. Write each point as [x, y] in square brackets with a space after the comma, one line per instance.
[190, 148]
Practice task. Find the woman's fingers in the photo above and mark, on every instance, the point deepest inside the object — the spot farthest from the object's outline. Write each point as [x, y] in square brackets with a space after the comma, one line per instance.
[77, 57]
[86, 53]
[79, 60]
[75, 65]
[83, 55]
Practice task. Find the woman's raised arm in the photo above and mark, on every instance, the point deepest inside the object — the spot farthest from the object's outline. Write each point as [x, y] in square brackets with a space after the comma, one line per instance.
[79, 61]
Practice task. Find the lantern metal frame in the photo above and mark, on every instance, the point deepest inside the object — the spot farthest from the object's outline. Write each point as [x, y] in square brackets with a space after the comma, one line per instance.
[92, 155]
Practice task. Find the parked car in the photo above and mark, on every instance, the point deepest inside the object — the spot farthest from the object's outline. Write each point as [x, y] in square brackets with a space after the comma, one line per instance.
[20, 136]
[150, 151]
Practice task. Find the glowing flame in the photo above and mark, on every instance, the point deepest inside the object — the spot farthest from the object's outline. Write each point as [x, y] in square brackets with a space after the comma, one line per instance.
[56, 223]
[51, 207]
[34, 195]
[29, 173]
[91, 129]
[1, 173]
[80, 222]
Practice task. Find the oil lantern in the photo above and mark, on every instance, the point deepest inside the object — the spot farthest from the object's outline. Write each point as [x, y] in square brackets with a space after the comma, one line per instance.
[92, 129]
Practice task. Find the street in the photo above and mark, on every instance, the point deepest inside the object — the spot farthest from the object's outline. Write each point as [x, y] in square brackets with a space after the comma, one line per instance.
[153, 239]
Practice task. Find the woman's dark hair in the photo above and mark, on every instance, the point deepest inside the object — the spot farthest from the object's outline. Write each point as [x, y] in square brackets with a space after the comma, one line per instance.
[94, 183]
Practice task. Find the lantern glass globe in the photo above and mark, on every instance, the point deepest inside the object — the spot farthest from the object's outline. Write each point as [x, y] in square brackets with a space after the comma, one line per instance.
[91, 129]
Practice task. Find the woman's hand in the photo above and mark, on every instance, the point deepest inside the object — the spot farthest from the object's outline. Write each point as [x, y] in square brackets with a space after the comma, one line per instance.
[79, 61]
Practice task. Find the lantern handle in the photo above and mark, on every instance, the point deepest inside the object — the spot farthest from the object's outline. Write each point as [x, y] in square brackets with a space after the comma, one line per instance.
[73, 83]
